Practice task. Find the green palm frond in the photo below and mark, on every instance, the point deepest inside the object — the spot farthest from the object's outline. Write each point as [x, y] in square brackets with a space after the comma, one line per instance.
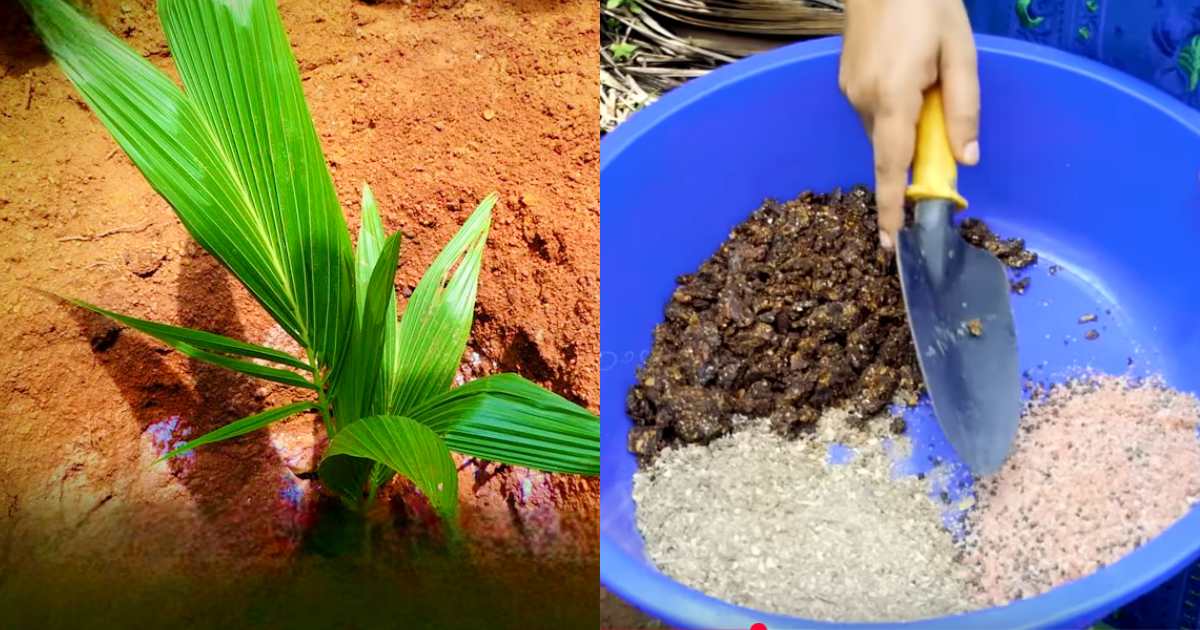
[371, 239]
[408, 447]
[242, 427]
[509, 419]
[183, 338]
[437, 321]
[236, 155]
[354, 394]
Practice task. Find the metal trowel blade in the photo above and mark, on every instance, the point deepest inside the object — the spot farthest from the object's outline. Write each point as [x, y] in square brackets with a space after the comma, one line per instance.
[957, 297]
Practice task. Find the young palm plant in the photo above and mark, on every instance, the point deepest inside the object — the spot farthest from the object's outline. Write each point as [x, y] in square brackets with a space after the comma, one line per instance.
[236, 155]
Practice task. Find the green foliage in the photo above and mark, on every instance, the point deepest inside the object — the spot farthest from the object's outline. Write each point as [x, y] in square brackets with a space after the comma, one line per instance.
[632, 5]
[407, 447]
[509, 419]
[622, 50]
[242, 427]
[216, 349]
[1189, 62]
[371, 238]
[237, 157]
[1026, 16]
[353, 396]
[435, 325]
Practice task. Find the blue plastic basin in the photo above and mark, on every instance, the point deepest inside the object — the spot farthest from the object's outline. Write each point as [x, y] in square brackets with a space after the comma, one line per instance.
[1098, 171]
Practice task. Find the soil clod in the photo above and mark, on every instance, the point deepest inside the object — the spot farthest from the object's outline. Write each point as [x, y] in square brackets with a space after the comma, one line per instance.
[103, 338]
[143, 263]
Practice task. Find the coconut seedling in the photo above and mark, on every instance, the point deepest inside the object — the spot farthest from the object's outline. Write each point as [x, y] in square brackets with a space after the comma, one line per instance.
[236, 155]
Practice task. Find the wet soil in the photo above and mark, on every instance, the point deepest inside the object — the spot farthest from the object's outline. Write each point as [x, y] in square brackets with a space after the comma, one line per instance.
[434, 105]
[798, 311]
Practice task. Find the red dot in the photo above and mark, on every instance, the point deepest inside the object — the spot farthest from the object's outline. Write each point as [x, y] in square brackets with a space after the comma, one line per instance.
[759, 626]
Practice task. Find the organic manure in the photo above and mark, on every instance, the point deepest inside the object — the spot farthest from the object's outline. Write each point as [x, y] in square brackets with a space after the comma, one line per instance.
[799, 311]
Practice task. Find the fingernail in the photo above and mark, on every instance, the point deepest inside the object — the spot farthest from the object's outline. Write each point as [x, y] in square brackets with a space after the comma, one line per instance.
[971, 153]
[885, 240]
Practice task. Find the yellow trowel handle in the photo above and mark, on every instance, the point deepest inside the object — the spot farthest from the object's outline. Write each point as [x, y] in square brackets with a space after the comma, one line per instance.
[934, 171]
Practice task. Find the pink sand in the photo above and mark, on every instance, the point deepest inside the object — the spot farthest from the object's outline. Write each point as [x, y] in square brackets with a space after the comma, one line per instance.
[1099, 467]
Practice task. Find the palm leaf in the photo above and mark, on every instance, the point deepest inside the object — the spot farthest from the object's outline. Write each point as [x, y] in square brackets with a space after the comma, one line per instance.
[214, 349]
[347, 477]
[236, 157]
[408, 447]
[509, 419]
[235, 61]
[355, 392]
[176, 336]
[371, 239]
[437, 321]
[170, 142]
[370, 242]
[242, 427]
[245, 367]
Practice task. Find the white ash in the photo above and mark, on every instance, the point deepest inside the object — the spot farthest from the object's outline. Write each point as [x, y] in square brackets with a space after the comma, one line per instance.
[768, 523]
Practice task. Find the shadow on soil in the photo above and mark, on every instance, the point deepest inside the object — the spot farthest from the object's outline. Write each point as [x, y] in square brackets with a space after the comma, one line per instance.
[225, 479]
[20, 50]
[398, 573]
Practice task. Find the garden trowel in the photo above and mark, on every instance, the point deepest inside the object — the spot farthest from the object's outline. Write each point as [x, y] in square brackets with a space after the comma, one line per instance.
[957, 297]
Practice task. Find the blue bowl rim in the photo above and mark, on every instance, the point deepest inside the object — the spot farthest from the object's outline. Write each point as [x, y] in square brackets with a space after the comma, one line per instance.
[1096, 594]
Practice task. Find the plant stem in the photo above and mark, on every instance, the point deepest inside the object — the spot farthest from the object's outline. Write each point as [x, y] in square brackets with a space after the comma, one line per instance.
[370, 500]
[322, 395]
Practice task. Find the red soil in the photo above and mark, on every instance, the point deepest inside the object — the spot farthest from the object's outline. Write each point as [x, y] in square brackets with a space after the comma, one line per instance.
[434, 107]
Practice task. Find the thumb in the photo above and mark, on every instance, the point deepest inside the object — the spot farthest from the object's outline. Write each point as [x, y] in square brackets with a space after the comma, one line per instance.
[960, 96]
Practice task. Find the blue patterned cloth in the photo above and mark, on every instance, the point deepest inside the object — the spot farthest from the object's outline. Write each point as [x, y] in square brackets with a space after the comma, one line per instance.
[1157, 41]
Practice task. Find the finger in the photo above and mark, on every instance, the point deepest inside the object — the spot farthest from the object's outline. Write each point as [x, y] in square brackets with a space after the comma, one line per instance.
[893, 137]
[868, 122]
[859, 92]
[866, 114]
[960, 95]
[863, 103]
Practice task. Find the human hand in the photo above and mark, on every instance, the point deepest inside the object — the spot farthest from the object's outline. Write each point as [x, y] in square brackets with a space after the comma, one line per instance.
[893, 51]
